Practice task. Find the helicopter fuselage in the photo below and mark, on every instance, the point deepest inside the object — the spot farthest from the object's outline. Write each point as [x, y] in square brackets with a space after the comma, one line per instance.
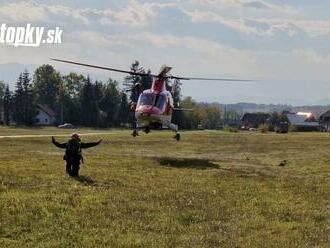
[154, 109]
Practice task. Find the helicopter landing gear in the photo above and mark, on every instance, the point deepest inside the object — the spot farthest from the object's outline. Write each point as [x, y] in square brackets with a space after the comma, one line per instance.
[177, 136]
[135, 133]
[174, 128]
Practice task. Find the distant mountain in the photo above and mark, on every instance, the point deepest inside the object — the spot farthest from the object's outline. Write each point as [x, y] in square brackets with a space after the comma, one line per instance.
[242, 108]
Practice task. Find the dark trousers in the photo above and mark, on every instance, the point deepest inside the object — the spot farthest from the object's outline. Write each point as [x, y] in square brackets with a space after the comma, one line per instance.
[73, 166]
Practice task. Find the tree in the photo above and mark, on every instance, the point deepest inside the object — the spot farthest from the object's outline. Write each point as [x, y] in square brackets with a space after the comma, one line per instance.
[73, 84]
[18, 111]
[28, 107]
[46, 84]
[189, 119]
[2, 93]
[111, 103]
[89, 107]
[123, 109]
[131, 81]
[275, 120]
[23, 102]
[69, 98]
[2, 90]
[7, 106]
[214, 117]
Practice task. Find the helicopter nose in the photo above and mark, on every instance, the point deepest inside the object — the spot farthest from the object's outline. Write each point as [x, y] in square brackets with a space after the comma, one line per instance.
[148, 111]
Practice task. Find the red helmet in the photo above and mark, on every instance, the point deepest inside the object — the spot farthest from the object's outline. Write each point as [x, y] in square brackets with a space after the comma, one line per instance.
[75, 136]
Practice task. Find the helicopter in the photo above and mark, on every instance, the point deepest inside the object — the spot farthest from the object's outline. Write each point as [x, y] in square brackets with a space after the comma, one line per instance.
[155, 106]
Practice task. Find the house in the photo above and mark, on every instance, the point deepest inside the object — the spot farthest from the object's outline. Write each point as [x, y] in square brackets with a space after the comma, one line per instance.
[303, 121]
[324, 121]
[45, 115]
[254, 120]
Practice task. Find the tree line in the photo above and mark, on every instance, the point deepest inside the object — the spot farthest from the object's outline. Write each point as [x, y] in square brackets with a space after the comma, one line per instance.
[78, 100]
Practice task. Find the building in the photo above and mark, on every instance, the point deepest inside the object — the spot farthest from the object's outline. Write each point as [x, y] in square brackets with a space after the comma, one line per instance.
[254, 120]
[303, 121]
[324, 121]
[45, 115]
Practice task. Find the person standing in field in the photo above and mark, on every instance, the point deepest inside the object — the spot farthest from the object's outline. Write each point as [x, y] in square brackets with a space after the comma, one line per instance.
[73, 155]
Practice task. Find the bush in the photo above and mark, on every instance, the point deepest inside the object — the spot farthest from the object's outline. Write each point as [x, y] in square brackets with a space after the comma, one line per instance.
[263, 128]
[231, 129]
[293, 128]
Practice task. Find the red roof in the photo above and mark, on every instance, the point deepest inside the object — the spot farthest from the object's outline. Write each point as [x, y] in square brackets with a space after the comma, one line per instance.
[47, 110]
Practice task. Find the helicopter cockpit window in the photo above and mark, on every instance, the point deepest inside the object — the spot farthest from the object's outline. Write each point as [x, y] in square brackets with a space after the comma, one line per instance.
[160, 101]
[146, 99]
[150, 99]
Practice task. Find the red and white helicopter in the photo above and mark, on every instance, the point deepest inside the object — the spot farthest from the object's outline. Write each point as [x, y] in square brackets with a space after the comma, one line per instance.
[155, 106]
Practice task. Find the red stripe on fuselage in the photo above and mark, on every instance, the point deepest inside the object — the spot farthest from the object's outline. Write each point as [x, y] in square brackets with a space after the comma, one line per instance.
[158, 86]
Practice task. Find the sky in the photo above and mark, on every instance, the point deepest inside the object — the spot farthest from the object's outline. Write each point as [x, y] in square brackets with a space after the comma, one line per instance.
[284, 45]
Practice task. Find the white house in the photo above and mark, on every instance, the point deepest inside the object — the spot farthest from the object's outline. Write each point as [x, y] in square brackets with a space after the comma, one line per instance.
[45, 115]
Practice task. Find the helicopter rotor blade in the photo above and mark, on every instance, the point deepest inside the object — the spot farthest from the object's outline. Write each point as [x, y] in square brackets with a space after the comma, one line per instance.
[103, 68]
[152, 75]
[183, 110]
[210, 79]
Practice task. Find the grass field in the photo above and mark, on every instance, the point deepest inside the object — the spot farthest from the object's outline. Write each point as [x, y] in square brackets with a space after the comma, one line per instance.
[212, 189]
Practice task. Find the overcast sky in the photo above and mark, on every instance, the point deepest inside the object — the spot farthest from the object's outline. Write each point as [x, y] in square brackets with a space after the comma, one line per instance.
[284, 44]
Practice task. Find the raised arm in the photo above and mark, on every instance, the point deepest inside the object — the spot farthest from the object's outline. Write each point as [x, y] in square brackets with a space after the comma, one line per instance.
[59, 145]
[91, 144]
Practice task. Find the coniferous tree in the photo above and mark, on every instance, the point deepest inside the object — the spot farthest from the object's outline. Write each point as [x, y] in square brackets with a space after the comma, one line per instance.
[123, 110]
[89, 106]
[131, 81]
[18, 114]
[28, 108]
[7, 105]
[2, 93]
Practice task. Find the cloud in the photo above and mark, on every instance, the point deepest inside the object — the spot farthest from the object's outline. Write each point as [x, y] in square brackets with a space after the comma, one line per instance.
[239, 24]
[264, 26]
[258, 5]
[134, 13]
[155, 49]
[22, 12]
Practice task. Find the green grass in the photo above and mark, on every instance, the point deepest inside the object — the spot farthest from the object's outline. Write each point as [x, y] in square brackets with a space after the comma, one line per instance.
[212, 189]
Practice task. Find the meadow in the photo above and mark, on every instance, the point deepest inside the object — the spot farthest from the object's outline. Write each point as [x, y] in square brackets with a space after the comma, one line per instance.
[211, 189]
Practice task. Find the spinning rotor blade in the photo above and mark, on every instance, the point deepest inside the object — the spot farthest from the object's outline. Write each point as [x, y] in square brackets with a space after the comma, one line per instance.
[164, 71]
[211, 79]
[179, 109]
[103, 68]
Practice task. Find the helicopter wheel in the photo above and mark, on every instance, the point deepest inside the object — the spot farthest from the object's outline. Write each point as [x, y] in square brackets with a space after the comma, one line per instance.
[177, 136]
[135, 133]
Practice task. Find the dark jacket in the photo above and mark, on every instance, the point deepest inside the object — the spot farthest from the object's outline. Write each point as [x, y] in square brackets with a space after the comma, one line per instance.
[82, 146]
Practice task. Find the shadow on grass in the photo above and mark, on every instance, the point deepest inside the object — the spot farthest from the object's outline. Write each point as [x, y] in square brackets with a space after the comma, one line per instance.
[193, 163]
[85, 180]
